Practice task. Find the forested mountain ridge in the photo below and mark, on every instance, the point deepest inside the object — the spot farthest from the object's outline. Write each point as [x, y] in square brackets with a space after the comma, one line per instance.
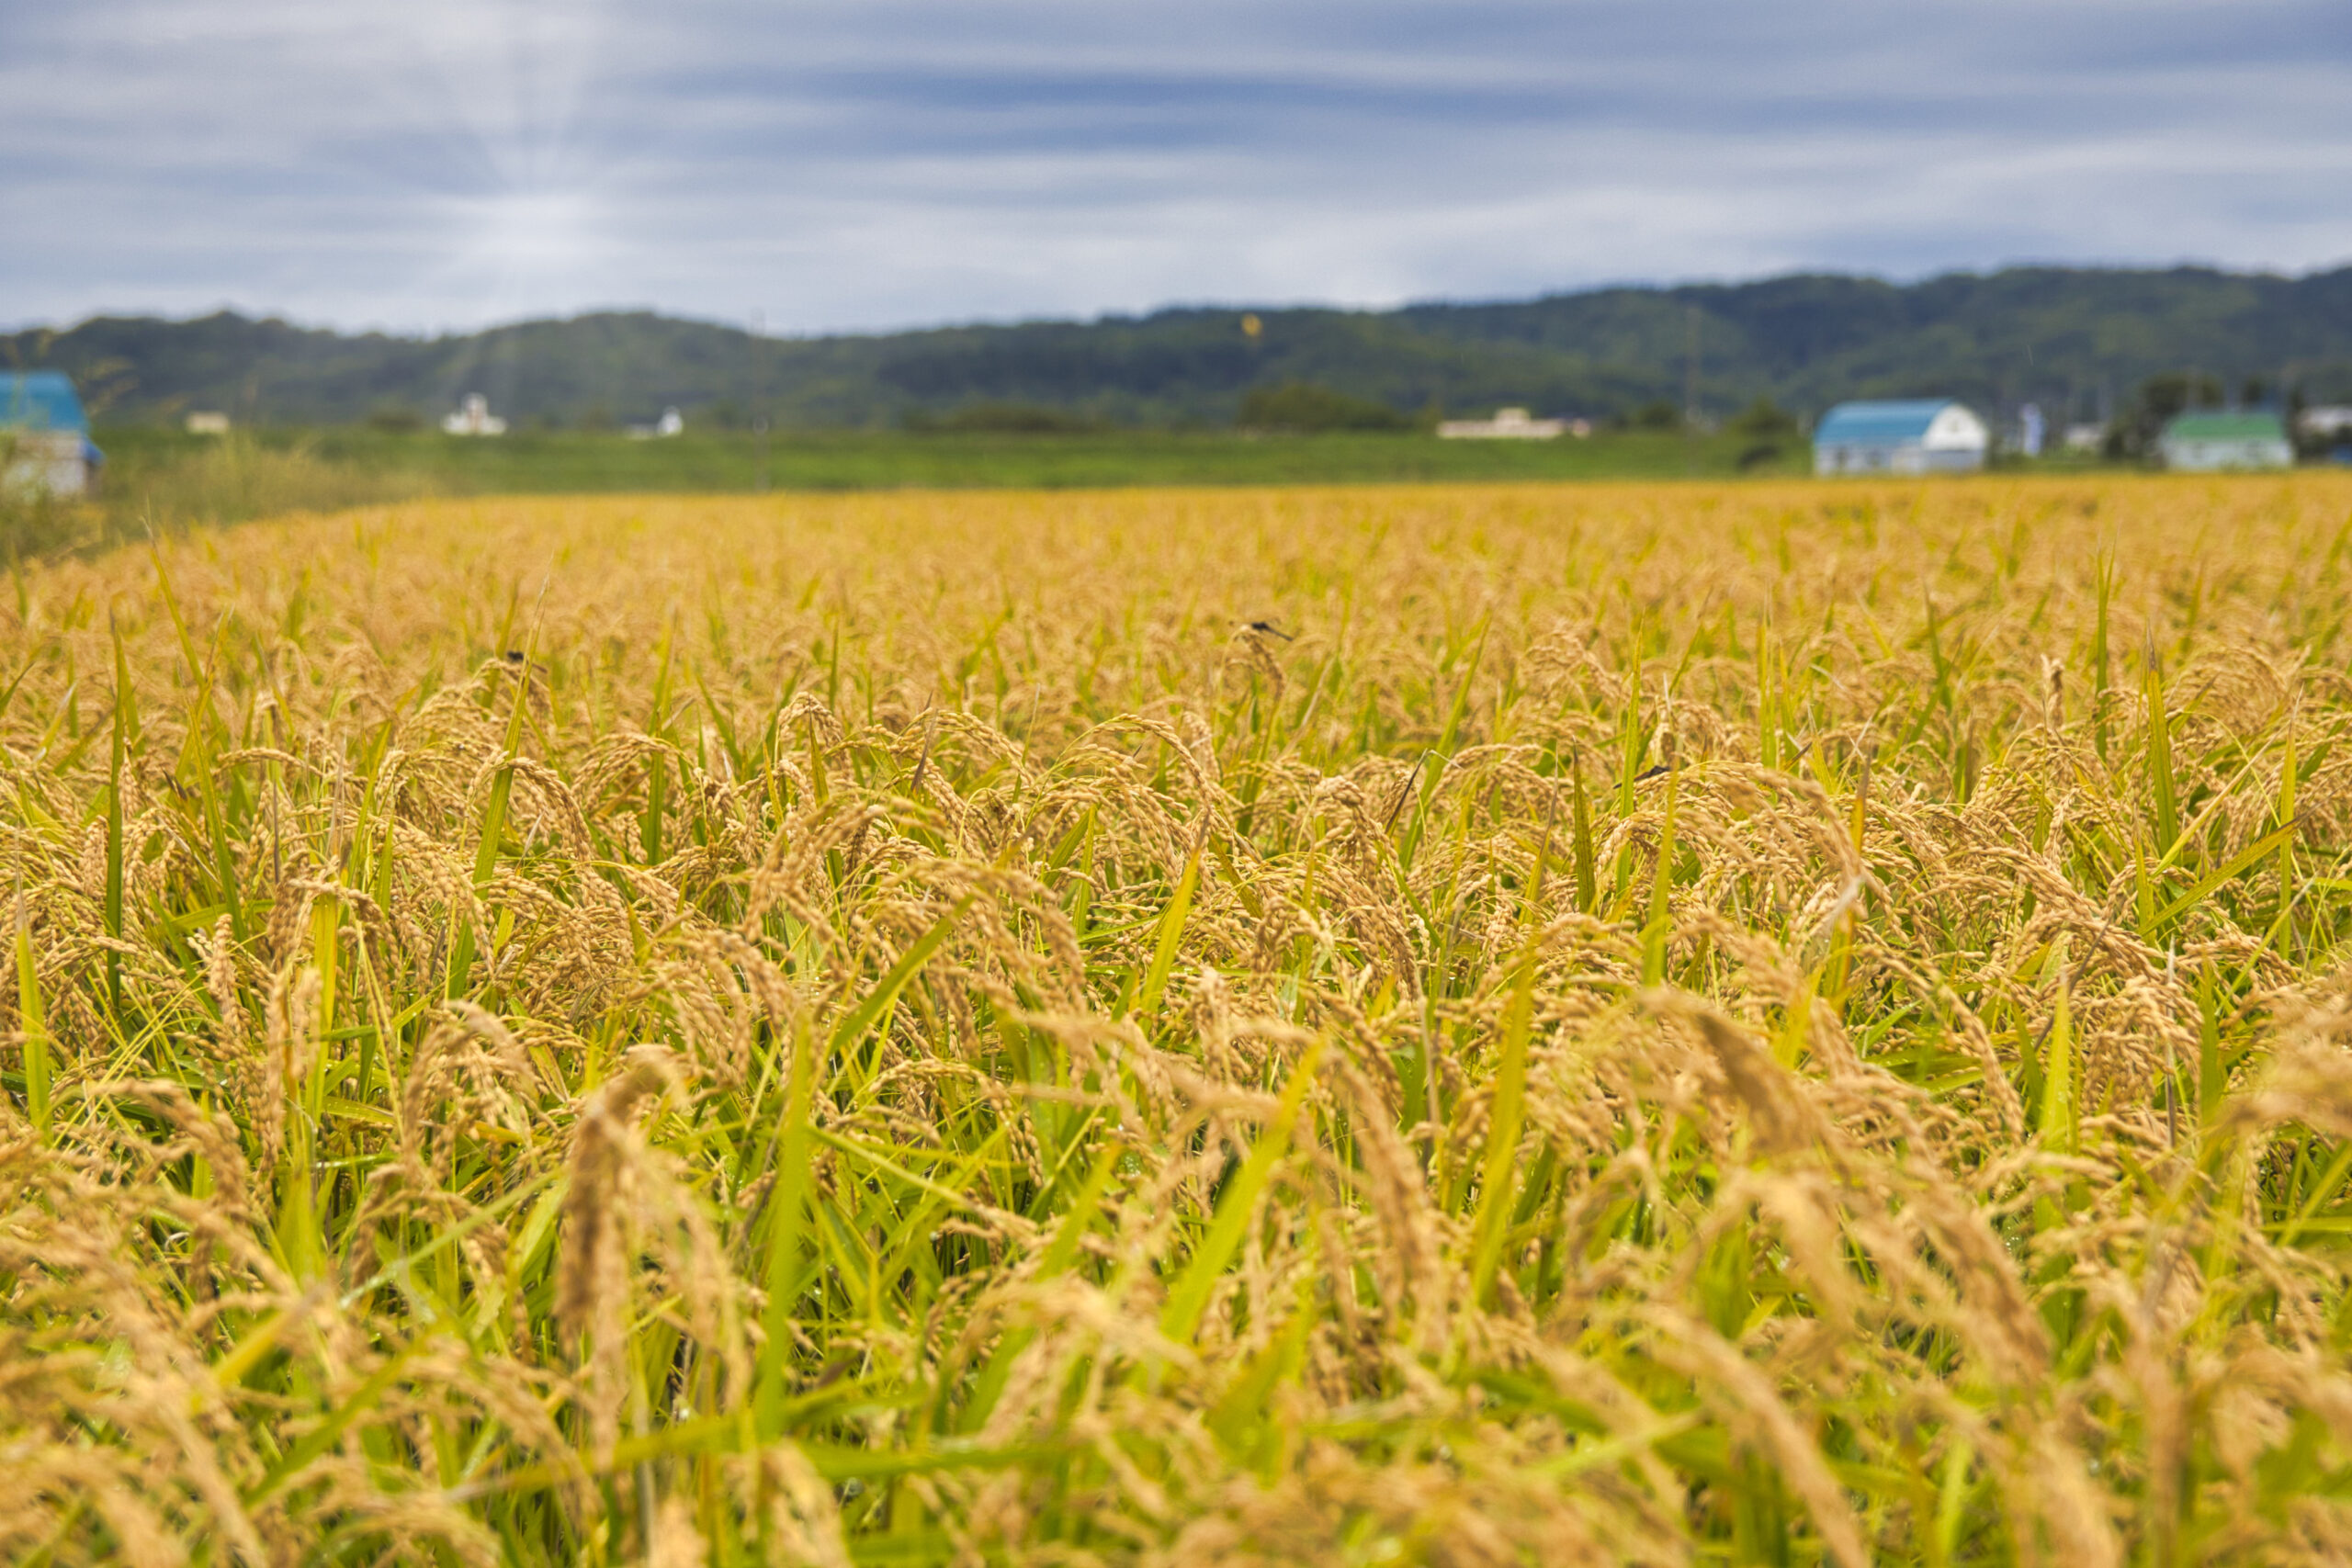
[2075, 340]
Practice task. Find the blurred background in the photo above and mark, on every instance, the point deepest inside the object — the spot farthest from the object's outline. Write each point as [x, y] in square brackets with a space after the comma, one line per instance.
[1054, 242]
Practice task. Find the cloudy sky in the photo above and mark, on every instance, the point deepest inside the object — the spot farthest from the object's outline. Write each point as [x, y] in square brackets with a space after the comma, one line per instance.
[826, 164]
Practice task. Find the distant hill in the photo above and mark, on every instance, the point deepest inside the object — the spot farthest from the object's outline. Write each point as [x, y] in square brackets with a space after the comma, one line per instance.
[2065, 337]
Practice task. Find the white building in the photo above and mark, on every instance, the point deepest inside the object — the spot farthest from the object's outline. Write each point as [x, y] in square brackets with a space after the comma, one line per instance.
[207, 422]
[672, 423]
[2086, 437]
[1911, 435]
[474, 418]
[2332, 420]
[1509, 424]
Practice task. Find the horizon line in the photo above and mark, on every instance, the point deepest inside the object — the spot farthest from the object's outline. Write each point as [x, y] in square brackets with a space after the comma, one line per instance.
[745, 328]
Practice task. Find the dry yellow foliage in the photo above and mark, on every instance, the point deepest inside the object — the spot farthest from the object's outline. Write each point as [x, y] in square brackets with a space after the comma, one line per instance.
[1469, 1025]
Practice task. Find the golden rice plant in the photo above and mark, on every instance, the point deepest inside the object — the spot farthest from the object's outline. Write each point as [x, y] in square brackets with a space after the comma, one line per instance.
[1468, 1026]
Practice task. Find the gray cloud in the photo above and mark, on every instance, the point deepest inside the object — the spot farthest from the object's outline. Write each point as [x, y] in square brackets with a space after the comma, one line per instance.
[836, 164]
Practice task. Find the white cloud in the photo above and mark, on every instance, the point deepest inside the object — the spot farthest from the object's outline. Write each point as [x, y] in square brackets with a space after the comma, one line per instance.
[840, 164]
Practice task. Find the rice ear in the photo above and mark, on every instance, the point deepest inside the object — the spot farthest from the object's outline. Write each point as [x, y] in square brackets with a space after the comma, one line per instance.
[799, 1117]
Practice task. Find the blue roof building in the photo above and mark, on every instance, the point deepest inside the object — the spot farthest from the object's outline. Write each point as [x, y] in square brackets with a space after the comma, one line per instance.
[41, 400]
[45, 444]
[1910, 435]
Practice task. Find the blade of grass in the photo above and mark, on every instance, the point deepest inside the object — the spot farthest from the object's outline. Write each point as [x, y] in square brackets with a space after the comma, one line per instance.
[32, 1021]
[1588, 898]
[787, 1233]
[2058, 1123]
[1188, 1299]
[323, 1436]
[122, 700]
[1656, 929]
[861, 1018]
[2160, 774]
[1059, 1255]
[1505, 1116]
[2237, 865]
[1171, 929]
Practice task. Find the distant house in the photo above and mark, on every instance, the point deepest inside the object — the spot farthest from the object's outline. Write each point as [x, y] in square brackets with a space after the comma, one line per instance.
[672, 423]
[44, 436]
[1509, 424]
[207, 422]
[1911, 435]
[474, 418]
[2086, 437]
[2205, 443]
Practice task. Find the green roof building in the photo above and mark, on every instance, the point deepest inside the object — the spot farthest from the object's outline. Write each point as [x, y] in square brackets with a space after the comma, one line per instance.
[2207, 443]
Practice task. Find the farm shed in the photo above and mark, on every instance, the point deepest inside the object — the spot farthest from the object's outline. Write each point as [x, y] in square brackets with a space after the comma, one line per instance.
[1912, 435]
[2204, 442]
[44, 436]
[1509, 424]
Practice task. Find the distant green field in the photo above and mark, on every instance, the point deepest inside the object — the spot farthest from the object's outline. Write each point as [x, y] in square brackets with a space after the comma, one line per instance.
[160, 478]
[540, 462]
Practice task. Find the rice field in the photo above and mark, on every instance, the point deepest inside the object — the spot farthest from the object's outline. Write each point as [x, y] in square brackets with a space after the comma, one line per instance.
[1762, 1024]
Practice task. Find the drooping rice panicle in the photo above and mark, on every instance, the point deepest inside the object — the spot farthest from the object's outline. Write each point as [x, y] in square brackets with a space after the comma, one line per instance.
[1779, 1024]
